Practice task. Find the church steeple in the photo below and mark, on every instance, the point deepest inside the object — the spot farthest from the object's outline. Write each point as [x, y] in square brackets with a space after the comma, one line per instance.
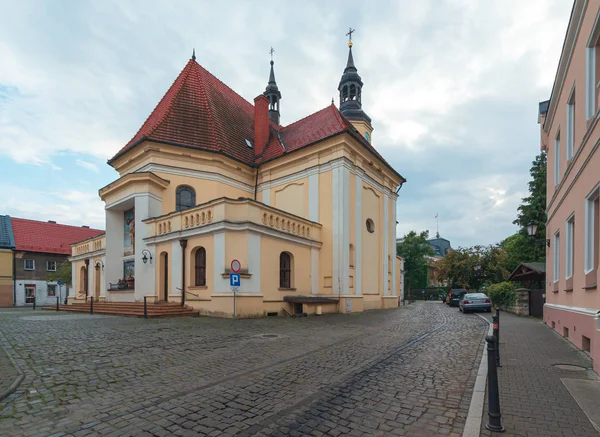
[350, 89]
[272, 93]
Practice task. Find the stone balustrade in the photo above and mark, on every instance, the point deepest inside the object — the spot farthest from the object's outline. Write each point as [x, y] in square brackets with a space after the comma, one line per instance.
[234, 211]
[90, 245]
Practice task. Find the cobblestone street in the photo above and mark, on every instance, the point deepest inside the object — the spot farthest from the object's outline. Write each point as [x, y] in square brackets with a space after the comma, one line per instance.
[407, 371]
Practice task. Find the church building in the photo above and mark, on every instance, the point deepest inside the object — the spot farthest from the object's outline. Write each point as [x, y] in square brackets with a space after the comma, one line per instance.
[308, 209]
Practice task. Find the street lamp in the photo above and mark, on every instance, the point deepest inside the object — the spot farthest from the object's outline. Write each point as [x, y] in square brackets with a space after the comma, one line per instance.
[98, 265]
[146, 254]
[532, 230]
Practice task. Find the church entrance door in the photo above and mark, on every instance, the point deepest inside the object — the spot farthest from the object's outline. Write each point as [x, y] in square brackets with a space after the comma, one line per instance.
[165, 281]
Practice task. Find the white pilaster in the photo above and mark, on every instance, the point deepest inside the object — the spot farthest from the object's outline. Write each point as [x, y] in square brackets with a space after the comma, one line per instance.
[314, 270]
[146, 206]
[113, 266]
[313, 197]
[175, 261]
[266, 196]
[253, 284]
[345, 204]
[394, 283]
[221, 285]
[386, 243]
[74, 280]
[358, 225]
[341, 230]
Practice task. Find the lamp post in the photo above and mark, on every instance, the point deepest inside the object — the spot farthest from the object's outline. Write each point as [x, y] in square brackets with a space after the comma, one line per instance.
[477, 268]
[532, 228]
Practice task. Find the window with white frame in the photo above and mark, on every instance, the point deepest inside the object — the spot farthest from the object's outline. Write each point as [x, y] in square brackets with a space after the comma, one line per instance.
[557, 158]
[569, 236]
[556, 256]
[29, 264]
[592, 70]
[29, 293]
[591, 231]
[570, 140]
[51, 266]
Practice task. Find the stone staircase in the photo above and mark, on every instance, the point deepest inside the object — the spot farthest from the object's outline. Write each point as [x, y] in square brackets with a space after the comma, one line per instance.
[132, 309]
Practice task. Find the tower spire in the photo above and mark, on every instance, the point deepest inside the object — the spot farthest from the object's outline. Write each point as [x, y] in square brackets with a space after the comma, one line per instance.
[194, 54]
[350, 89]
[272, 93]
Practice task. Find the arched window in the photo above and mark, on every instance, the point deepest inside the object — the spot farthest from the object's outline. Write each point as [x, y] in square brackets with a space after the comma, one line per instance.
[185, 198]
[285, 270]
[352, 92]
[345, 93]
[200, 267]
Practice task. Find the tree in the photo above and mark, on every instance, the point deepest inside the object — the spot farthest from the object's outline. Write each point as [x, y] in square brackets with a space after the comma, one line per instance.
[62, 274]
[473, 267]
[533, 208]
[519, 249]
[415, 249]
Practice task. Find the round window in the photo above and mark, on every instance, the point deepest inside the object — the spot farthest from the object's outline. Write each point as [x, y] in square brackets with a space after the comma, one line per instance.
[367, 137]
[370, 226]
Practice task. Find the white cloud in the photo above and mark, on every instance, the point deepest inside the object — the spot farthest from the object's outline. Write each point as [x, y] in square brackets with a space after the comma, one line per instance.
[87, 165]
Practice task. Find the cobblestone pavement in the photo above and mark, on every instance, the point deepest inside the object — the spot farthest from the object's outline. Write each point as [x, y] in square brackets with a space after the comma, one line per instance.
[406, 371]
[533, 400]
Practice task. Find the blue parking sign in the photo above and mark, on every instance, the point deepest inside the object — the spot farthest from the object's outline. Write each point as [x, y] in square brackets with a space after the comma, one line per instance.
[234, 279]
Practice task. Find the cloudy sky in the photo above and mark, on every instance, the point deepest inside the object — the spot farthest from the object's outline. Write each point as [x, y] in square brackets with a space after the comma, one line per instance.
[452, 87]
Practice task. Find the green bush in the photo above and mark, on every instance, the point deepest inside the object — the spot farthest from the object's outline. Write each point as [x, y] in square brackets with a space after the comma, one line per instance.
[502, 293]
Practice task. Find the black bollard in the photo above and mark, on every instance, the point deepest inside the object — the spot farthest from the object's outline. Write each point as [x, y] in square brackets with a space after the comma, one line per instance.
[496, 329]
[57, 302]
[494, 416]
[145, 309]
[34, 303]
[91, 305]
[498, 315]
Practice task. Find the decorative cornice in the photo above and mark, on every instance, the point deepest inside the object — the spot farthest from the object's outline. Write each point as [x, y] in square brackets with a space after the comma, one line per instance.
[591, 312]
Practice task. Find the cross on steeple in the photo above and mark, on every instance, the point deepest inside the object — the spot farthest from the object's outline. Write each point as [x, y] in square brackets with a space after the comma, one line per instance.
[349, 35]
[271, 52]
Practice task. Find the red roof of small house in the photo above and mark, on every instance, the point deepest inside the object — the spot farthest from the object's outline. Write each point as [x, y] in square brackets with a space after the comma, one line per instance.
[201, 112]
[48, 237]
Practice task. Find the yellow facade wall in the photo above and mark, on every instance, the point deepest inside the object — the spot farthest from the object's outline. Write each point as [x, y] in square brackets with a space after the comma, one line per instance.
[206, 190]
[291, 197]
[371, 242]
[6, 278]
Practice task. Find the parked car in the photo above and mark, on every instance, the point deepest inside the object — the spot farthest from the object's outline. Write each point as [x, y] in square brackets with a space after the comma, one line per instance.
[455, 295]
[475, 302]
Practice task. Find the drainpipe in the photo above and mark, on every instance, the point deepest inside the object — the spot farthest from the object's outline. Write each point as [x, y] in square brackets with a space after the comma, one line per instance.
[183, 246]
[86, 278]
[256, 184]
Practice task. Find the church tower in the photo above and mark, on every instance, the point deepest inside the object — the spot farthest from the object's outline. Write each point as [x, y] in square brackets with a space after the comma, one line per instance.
[350, 89]
[272, 93]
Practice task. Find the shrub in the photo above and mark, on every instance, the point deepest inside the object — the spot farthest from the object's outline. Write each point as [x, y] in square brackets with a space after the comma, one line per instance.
[502, 293]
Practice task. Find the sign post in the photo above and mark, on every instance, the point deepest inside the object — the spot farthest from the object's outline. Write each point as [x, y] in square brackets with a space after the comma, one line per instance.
[235, 281]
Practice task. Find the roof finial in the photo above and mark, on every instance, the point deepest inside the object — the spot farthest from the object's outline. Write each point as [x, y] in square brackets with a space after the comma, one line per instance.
[332, 101]
[271, 52]
[194, 54]
[349, 35]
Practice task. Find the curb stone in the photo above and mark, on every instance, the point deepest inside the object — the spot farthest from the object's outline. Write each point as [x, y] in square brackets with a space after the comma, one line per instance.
[475, 415]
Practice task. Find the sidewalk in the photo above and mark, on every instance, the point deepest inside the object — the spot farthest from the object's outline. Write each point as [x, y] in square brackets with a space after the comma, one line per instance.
[533, 399]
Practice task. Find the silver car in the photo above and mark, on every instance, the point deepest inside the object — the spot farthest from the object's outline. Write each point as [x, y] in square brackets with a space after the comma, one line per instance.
[475, 302]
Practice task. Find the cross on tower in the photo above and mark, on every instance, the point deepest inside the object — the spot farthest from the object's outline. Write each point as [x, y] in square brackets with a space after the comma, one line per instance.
[271, 52]
[349, 35]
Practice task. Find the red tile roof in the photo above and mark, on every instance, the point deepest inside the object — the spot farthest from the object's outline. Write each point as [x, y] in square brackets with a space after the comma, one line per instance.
[200, 111]
[36, 236]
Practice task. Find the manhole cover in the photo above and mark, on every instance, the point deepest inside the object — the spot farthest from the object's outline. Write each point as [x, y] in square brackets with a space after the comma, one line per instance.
[571, 367]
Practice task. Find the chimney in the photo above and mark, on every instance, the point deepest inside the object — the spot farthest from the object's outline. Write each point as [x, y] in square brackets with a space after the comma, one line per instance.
[51, 221]
[261, 124]
[85, 226]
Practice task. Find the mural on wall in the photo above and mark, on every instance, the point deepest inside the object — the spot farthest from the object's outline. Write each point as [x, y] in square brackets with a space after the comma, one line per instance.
[129, 232]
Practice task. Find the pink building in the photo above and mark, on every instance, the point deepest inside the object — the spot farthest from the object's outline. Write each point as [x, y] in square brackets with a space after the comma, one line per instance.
[570, 133]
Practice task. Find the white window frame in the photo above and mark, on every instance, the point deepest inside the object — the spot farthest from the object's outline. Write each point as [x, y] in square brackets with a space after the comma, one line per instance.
[557, 158]
[569, 233]
[588, 257]
[556, 273]
[32, 264]
[570, 140]
[590, 70]
[48, 269]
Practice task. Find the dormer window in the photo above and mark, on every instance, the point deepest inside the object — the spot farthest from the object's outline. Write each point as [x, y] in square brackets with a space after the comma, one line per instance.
[185, 198]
